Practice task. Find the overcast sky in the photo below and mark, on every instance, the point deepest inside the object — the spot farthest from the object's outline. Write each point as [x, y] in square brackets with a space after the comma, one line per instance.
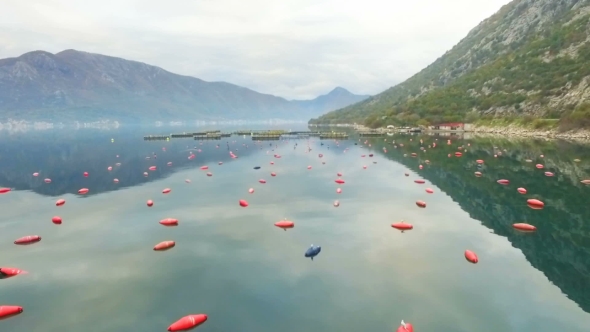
[295, 49]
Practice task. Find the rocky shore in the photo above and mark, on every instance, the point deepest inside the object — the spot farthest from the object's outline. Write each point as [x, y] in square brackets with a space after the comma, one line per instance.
[524, 132]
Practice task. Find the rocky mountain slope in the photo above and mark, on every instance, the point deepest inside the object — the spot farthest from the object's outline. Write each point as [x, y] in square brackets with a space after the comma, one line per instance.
[74, 85]
[529, 60]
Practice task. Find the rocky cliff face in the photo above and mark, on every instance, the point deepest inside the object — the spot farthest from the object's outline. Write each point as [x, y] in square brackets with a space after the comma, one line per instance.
[530, 58]
[84, 86]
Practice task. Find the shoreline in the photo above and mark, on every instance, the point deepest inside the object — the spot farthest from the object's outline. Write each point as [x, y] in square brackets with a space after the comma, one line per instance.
[515, 131]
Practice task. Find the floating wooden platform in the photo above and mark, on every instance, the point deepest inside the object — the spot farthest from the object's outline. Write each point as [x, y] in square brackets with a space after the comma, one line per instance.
[371, 133]
[333, 136]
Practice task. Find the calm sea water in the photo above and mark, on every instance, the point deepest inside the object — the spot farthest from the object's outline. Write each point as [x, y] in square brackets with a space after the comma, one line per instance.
[97, 271]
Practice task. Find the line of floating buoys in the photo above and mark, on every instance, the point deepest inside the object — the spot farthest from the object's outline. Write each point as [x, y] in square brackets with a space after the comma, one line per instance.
[9, 272]
[187, 323]
[503, 181]
[243, 203]
[402, 226]
[524, 227]
[29, 239]
[150, 203]
[4, 190]
[83, 191]
[535, 203]
[56, 220]
[165, 245]
[421, 204]
[60, 202]
[169, 222]
[471, 257]
[284, 224]
[429, 190]
[405, 327]
[7, 311]
[521, 190]
[166, 191]
[419, 181]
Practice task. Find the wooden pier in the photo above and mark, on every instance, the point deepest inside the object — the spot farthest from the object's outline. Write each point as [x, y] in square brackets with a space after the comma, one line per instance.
[156, 138]
[372, 133]
[333, 136]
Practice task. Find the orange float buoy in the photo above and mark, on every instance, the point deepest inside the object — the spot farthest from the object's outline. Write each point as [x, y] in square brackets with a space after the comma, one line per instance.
[419, 181]
[503, 181]
[284, 224]
[251, 190]
[187, 323]
[56, 220]
[60, 202]
[524, 227]
[30, 239]
[421, 204]
[535, 203]
[167, 190]
[83, 191]
[165, 245]
[4, 190]
[429, 190]
[339, 181]
[262, 181]
[521, 190]
[9, 272]
[405, 327]
[243, 203]
[7, 311]
[150, 202]
[169, 222]
[471, 257]
[402, 226]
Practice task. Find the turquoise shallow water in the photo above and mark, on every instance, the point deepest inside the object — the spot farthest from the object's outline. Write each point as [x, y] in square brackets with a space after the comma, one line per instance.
[97, 271]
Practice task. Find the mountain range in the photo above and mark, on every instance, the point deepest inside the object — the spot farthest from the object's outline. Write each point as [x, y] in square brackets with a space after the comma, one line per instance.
[81, 86]
[528, 63]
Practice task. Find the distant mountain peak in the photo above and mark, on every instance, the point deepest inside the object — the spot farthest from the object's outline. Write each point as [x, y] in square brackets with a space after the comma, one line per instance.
[339, 89]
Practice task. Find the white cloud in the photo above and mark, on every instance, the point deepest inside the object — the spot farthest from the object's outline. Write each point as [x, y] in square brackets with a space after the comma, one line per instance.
[291, 48]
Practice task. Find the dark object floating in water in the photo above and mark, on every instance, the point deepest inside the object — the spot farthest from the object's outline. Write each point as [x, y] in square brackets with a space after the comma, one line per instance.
[256, 167]
[313, 251]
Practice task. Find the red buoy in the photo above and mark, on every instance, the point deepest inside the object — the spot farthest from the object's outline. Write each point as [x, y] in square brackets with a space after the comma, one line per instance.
[204, 167]
[251, 190]
[402, 226]
[150, 203]
[458, 154]
[339, 181]
[162, 246]
[524, 227]
[479, 161]
[47, 180]
[405, 327]
[478, 174]
[243, 203]
[308, 167]
[169, 163]
[585, 181]
[60, 202]
[284, 224]
[535, 203]
[56, 220]
[421, 204]
[414, 154]
[188, 322]
[169, 222]
[521, 190]
[539, 166]
[9, 272]
[110, 168]
[471, 256]
[85, 174]
[152, 168]
[549, 174]
[116, 180]
[429, 190]
[4, 190]
[273, 174]
[83, 191]
[167, 190]
[503, 181]
[36, 174]
[7, 311]
[338, 174]
[262, 181]
[419, 181]
[30, 239]
[338, 191]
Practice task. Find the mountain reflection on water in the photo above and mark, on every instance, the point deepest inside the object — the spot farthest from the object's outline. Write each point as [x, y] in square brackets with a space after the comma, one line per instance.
[560, 247]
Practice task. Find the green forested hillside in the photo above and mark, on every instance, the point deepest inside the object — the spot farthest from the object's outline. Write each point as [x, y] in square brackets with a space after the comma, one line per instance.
[531, 60]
